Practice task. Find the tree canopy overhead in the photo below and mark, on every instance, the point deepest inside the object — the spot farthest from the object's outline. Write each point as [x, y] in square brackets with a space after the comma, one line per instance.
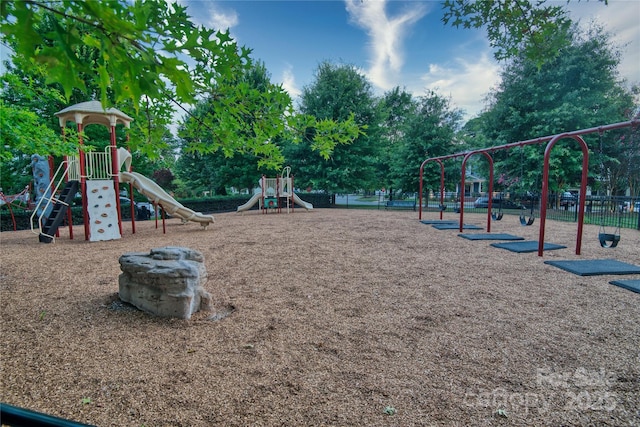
[143, 48]
[152, 47]
[535, 29]
[148, 52]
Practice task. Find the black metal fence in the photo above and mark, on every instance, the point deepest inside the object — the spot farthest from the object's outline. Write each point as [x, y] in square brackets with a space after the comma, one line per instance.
[617, 211]
[599, 210]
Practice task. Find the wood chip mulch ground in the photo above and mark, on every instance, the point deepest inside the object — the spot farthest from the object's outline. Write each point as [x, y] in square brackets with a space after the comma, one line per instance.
[325, 318]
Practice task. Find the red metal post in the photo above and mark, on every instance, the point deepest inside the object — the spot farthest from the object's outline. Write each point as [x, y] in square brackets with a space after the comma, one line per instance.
[264, 208]
[462, 188]
[83, 183]
[133, 222]
[278, 192]
[489, 210]
[420, 189]
[69, 212]
[116, 178]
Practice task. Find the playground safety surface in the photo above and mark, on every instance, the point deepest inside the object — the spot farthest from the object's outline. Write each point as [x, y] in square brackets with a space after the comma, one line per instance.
[329, 317]
[595, 267]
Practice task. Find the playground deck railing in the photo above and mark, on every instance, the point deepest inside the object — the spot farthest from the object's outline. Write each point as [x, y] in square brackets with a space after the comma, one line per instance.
[73, 173]
[97, 165]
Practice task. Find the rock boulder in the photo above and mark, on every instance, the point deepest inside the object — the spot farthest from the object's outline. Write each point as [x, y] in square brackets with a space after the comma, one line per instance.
[167, 281]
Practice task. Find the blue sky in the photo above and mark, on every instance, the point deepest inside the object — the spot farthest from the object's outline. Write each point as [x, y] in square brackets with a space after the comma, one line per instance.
[393, 43]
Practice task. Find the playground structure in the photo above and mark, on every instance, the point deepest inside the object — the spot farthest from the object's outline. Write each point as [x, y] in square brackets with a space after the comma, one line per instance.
[606, 239]
[97, 176]
[274, 194]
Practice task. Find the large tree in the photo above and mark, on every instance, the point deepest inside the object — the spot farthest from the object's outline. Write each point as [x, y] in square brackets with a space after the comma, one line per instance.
[428, 128]
[397, 107]
[578, 89]
[208, 166]
[339, 93]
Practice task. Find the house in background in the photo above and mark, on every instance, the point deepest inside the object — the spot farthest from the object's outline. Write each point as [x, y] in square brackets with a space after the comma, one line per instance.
[473, 186]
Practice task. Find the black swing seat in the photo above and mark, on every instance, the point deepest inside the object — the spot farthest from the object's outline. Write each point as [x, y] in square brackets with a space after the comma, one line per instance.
[527, 221]
[608, 240]
[497, 216]
[443, 208]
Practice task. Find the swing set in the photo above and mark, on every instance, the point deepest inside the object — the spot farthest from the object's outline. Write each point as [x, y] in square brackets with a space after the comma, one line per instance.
[609, 238]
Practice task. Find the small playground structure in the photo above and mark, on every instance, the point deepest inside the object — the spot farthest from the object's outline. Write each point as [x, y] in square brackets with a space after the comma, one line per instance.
[606, 239]
[97, 176]
[275, 194]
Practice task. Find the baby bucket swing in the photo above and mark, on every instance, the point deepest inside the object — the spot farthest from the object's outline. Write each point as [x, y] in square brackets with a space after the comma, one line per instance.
[609, 240]
[497, 216]
[524, 219]
[606, 239]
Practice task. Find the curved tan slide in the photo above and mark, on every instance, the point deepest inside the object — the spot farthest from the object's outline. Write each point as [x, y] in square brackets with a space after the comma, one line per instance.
[308, 206]
[157, 195]
[252, 201]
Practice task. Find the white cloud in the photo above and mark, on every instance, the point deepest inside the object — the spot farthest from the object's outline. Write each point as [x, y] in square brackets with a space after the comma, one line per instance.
[466, 82]
[210, 15]
[386, 36]
[289, 82]
[221, 20]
